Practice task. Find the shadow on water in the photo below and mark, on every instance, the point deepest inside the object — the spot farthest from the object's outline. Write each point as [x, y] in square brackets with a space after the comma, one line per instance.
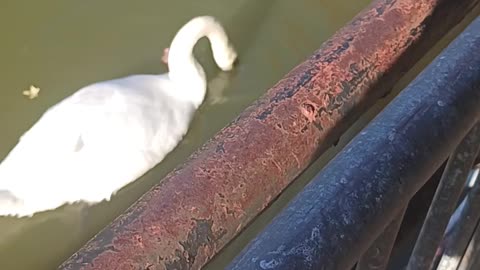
[61, 46]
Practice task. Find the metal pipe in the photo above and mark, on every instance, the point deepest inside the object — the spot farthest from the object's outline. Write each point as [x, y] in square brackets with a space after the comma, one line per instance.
[471, 179]
[334, 220]
[445, 201]
[197, 209]
[460, 229]
[378, 254]
[413, 220]
[471, 260]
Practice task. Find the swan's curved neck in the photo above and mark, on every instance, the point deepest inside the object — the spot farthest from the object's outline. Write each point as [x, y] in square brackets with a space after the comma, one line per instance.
[184, 70]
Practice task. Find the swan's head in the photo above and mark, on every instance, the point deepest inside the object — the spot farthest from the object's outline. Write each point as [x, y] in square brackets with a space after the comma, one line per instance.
[225, 58]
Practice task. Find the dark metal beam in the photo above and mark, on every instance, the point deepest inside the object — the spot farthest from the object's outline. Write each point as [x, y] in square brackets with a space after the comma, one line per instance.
[461, 228]
[334, 220]
[378, 254]
[445, 201]
[413, 220]
[471, 258]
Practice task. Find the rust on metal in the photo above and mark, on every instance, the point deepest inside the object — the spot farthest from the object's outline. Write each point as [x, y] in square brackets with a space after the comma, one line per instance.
[197, 209]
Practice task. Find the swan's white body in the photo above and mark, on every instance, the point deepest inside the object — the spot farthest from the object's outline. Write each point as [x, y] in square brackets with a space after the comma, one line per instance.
[108, 134]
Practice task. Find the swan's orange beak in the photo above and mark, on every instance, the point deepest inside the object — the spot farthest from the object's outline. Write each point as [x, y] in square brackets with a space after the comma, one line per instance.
[165, 56]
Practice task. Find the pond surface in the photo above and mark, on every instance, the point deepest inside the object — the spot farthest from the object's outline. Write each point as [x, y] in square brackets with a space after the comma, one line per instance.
[60, 46]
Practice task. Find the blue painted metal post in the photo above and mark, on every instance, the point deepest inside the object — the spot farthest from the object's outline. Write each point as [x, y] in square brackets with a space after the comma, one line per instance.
[334, 220]
[471, 260]
[445, 201]
[461, 228]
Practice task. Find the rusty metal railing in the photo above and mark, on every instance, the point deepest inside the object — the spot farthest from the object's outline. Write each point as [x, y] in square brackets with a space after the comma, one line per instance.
[353, 205]
[197, 209]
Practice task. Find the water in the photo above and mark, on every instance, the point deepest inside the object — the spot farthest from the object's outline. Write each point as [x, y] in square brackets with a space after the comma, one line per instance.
[60, 46]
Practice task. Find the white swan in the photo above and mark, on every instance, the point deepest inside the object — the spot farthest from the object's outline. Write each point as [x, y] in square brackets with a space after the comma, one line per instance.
[108, 134]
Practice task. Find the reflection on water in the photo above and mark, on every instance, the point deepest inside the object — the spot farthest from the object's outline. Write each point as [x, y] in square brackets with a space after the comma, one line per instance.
[61, 46]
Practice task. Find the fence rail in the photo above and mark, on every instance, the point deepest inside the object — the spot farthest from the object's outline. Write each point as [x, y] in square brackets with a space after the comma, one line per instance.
[348, 205]
[187, 218]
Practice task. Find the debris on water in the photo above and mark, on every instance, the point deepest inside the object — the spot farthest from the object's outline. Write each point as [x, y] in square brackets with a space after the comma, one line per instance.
[32, 92]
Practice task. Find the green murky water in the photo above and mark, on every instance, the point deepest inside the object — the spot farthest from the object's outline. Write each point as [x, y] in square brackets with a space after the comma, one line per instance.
[62, 45]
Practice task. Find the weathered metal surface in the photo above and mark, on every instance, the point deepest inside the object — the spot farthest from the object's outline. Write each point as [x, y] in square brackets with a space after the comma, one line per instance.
[413, 220]
[378, 254]
[460, 229]
[471, 260]
[187, 218]
[334, 220]
[445, 201]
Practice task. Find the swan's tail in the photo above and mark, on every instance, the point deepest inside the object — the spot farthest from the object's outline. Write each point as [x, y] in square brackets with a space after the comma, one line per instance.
[7, 197]
[9, 204]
